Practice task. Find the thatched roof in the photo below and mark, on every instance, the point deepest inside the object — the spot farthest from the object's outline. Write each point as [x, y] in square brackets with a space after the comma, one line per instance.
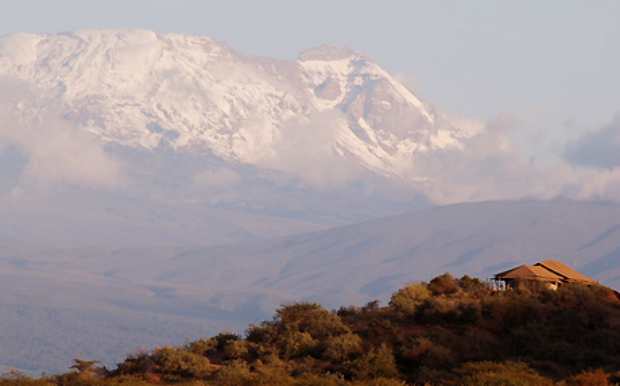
[530, 272]
[567, 273]
[547, 270]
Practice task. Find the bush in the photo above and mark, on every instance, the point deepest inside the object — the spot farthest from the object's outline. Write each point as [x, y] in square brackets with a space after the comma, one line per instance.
[415, 348]
[475, 285]
[235, 373]
[379, 327]
[348, 311]
[180, 363]
[308, 379]
[223, 338]
[311, 318]
[298, 312]
[203, 346]
[381, 382]
[14, 378]
[378, 363]
[480, 345]
[342, 347]
[499, 374]
[371, 306]
[295, 344]
[273, 372]
[237, 349]
[138, 363]
[263, 333]
[409, 298]
[588, 378]
[443, 285]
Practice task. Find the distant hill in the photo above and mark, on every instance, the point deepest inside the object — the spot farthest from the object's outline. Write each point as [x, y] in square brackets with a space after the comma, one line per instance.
[137, 297]
[368, 260]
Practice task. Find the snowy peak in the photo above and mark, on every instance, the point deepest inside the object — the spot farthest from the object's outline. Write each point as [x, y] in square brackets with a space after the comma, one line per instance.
[328, 53]
[183, 92]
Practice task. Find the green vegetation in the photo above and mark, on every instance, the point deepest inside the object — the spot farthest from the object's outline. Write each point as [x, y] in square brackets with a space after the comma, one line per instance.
[447, 332]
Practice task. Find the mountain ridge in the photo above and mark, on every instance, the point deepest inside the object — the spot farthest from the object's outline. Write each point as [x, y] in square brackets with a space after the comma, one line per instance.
[138, 88]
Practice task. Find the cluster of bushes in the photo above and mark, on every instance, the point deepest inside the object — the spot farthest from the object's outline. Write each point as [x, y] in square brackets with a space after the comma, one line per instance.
[445, 332]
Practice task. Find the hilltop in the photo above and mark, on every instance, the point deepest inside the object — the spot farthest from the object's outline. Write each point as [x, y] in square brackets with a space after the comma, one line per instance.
[444, 332]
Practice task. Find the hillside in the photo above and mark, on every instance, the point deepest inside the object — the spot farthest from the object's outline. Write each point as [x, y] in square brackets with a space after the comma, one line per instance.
[445, 332]
[117, 299]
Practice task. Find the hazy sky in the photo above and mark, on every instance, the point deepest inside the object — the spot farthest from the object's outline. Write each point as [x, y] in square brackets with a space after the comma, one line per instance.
[552, 65]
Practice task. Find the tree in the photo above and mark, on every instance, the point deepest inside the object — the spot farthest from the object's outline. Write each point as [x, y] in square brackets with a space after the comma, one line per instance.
[443, 285]
[409, 298]
[85, 368]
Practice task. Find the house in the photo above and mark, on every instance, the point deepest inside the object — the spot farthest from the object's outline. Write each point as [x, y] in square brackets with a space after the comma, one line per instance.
[551, 272]
[568, 275]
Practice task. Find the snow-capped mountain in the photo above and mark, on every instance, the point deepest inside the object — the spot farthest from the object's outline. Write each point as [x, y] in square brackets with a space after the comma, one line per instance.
[190, 93]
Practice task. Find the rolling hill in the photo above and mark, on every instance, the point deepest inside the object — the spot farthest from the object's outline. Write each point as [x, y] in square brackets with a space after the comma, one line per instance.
[201, 290]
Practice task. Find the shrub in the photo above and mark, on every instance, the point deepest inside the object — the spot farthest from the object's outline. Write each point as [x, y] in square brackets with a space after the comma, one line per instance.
[237, 349]
[311, 318]
[297, 312]
[415, 347]
[342, 347]
[272, 372]
[235, 373]
[379, 327]
[381, 382]
[408, 299]
[309, 379]
[499, 374]
[180, 363]
[203, 346]
[443, 285]
[371, 306]
[138, 363]
[348, 311]
[295, 344]
[588, 378]
[223, 338]
[470, 285]
[265, 332]
[377, 363]
[439, 309]
[478, 345]
[14, 378]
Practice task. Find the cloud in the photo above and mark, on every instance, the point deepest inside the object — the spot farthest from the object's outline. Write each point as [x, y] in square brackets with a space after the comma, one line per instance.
[590, 169]
[597, 149]
[306, 149]
[490, 167]
[486, 167]
[406, 80]
[50, 150]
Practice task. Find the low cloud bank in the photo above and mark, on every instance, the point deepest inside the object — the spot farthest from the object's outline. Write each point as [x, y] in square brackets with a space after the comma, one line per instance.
[488, 166]
[595, 163]
[306, 149]
[49, 150]
[599, 149]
